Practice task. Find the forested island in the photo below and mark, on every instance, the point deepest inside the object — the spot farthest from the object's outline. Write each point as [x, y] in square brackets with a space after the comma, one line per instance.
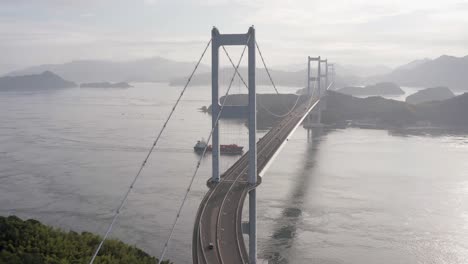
[430, 94]
[31, 242]
[387, 113]
[45, 80]
[270, 107]
[383, 88]
[341, 108]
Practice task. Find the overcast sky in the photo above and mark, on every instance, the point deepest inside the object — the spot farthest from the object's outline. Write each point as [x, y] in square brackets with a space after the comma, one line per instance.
[388, 32]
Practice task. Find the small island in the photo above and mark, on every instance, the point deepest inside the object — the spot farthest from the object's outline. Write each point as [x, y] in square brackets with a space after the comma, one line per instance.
[391, 114]
[29, 241]
[43, 81]
[383, 88]
[429, 95]
[106, 85]
[271, 108]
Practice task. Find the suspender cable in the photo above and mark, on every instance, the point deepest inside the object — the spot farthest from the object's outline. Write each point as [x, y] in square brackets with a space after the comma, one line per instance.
[122, 203]
[282, 115]
[200, 159]
[266, 68]
[258, 101]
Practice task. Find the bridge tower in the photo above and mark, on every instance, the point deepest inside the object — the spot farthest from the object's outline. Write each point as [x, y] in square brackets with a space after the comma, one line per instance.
[318, 80]
[331, 74]
[325, 76]
[312, 79]
[248, 40]
[322, 88]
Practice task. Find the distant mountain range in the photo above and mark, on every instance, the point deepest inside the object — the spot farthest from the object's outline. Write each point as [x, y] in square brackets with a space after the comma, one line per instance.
[410, 65]
[45, 80]
[155, 69]
[361, 71]
[446, 71]
[343, 69]
[281, 78]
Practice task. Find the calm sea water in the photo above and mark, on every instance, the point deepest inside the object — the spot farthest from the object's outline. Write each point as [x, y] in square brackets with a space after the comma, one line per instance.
[350, 196]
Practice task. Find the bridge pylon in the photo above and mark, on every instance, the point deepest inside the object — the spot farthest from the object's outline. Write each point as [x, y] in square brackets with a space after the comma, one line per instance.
[325, 75]
[331, 74]
[317, 78]
[248, 40]
[323, 89]
[312, 78]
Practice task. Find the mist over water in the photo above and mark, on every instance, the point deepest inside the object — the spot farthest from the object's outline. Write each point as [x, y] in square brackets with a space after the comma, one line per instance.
[350, 196]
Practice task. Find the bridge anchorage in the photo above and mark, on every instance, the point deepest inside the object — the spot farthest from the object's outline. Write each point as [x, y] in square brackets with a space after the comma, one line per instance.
[218, 230]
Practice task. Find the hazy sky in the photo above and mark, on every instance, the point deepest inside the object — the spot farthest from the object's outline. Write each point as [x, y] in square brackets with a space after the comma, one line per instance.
[347, 31]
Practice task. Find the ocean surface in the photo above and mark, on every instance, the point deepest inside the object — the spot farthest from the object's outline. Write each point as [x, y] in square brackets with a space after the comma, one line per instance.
[346, 196]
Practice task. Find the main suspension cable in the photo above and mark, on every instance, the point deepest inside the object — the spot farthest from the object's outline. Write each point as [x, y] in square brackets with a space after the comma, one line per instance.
[259, 103]
[266, 68]
[282, 115]
[200, 159]
[117, 212]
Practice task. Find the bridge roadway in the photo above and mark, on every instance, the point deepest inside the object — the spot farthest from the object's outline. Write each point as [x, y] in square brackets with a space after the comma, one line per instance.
[219, 217]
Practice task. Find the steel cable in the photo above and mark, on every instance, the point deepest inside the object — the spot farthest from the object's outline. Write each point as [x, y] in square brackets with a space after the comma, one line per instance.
[274, 86]
[200, 159]
[119, 208]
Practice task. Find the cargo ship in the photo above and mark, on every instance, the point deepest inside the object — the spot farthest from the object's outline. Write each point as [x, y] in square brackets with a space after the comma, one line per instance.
[231, 149]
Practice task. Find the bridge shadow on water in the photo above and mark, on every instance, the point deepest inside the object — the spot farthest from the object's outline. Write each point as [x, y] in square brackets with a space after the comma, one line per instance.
[278, 247]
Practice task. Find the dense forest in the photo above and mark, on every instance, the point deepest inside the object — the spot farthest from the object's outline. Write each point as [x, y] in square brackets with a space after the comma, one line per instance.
[30, 242]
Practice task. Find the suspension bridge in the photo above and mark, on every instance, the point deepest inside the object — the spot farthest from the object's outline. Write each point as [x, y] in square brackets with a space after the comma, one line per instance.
[218, 235]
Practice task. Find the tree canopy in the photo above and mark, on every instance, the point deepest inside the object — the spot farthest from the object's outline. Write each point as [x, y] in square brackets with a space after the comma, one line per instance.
[31, 242]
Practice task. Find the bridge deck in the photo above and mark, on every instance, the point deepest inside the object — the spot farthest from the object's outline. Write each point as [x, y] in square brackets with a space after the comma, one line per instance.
[219, 216]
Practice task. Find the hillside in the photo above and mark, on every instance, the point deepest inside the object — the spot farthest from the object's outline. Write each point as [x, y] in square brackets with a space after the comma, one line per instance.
[30, 241]
[144, 70]
[342, 107]
[45, 80]
[450, 112]
[446, 71]
[430, 94]
[384, 88]
[411, 65]
[392, 113]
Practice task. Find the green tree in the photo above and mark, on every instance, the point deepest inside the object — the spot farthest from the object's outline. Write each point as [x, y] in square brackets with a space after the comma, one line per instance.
[31, 242]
